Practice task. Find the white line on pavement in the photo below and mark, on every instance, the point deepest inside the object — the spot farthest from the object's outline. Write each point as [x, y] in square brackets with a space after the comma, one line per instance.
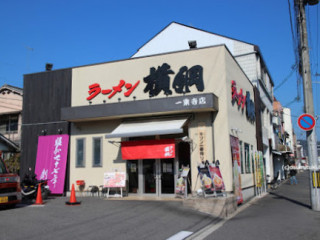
[180, 235]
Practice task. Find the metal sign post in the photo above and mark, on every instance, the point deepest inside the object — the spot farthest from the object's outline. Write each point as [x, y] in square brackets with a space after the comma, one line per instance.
[305, 72]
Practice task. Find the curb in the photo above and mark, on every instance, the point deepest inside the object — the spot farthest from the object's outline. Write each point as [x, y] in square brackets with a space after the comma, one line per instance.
[206, 231]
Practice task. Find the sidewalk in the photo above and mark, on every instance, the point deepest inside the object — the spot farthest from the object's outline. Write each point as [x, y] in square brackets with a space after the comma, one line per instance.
[284, 213]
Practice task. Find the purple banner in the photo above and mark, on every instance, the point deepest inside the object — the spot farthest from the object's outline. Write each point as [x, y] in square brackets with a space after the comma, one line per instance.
[51, 161]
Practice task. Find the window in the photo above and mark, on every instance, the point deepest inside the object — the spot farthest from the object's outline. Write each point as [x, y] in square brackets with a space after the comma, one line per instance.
[8, 124]
[3, 168]
[241, 157]
[96, 148]
[247, 157]
[80, 151]
[252, 159]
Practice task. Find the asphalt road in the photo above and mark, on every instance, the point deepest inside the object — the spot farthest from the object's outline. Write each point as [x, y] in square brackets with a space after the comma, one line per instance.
[282, 214]
[97, 218]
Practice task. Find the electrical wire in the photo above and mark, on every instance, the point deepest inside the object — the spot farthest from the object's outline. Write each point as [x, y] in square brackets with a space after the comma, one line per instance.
[317, 62]
[296, 46]
[294, 38]
[293, 69]
[311, 53]
[296, 99]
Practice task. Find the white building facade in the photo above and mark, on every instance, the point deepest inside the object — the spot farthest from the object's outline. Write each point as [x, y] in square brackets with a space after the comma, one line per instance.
[288, 127]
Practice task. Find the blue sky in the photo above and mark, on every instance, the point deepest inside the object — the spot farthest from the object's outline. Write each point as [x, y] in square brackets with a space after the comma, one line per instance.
[73, 33]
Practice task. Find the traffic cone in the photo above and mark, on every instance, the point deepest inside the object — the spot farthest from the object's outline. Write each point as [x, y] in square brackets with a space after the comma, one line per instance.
[73, 200]
[39, 196]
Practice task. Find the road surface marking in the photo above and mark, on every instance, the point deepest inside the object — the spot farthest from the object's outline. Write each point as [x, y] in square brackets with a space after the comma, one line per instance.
[180, 235]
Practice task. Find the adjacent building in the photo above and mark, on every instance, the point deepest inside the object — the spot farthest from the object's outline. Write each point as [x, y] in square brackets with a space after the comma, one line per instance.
[284, 144]
[10, 120]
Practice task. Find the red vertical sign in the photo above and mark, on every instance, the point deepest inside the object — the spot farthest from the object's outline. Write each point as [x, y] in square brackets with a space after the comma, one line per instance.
[235, 151]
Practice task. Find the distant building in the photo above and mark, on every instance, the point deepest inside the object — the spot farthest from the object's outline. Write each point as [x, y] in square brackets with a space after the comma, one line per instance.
[10, 119]
[284, 144]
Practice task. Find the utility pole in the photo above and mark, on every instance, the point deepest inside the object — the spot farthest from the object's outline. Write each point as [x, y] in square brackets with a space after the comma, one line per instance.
[305, 72]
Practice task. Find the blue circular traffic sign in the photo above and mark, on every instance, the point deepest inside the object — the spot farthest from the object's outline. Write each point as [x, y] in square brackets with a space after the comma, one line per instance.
[306, 122]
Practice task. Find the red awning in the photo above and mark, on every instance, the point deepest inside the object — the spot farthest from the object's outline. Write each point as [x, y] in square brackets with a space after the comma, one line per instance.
[148, 149]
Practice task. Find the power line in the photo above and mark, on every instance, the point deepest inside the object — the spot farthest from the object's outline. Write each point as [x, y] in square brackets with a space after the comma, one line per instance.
[293, 69]
[296, 99]
[296, 66]
[294, 38]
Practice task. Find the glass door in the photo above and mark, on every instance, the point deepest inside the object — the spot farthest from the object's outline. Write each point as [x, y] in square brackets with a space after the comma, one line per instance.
[149, 176]
[133, 175]
[166, 179]
[152, 176]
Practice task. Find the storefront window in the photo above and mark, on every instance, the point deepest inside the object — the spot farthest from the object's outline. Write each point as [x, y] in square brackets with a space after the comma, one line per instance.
[241, 157]
[80, 157]
[97, 152]
[252, 160]
[247, 157]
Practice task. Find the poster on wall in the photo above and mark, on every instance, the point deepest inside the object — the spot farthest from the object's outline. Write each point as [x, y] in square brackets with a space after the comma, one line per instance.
[51, 161]
[262, 172]
[257, 170]
[235, 152]
[114, 179]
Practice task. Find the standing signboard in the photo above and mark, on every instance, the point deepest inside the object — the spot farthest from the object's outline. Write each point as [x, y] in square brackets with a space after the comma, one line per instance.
[216, 177]
[182, 182]
[206, 180]
[114, 180]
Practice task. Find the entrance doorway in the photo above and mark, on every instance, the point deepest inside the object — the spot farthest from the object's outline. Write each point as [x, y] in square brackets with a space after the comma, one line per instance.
[152, 176]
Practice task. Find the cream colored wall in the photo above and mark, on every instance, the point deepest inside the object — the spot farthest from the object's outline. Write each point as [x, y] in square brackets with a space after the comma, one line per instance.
[132, 70]
[221, 124]
[111, 156]
[237, 119]
[203, 119]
